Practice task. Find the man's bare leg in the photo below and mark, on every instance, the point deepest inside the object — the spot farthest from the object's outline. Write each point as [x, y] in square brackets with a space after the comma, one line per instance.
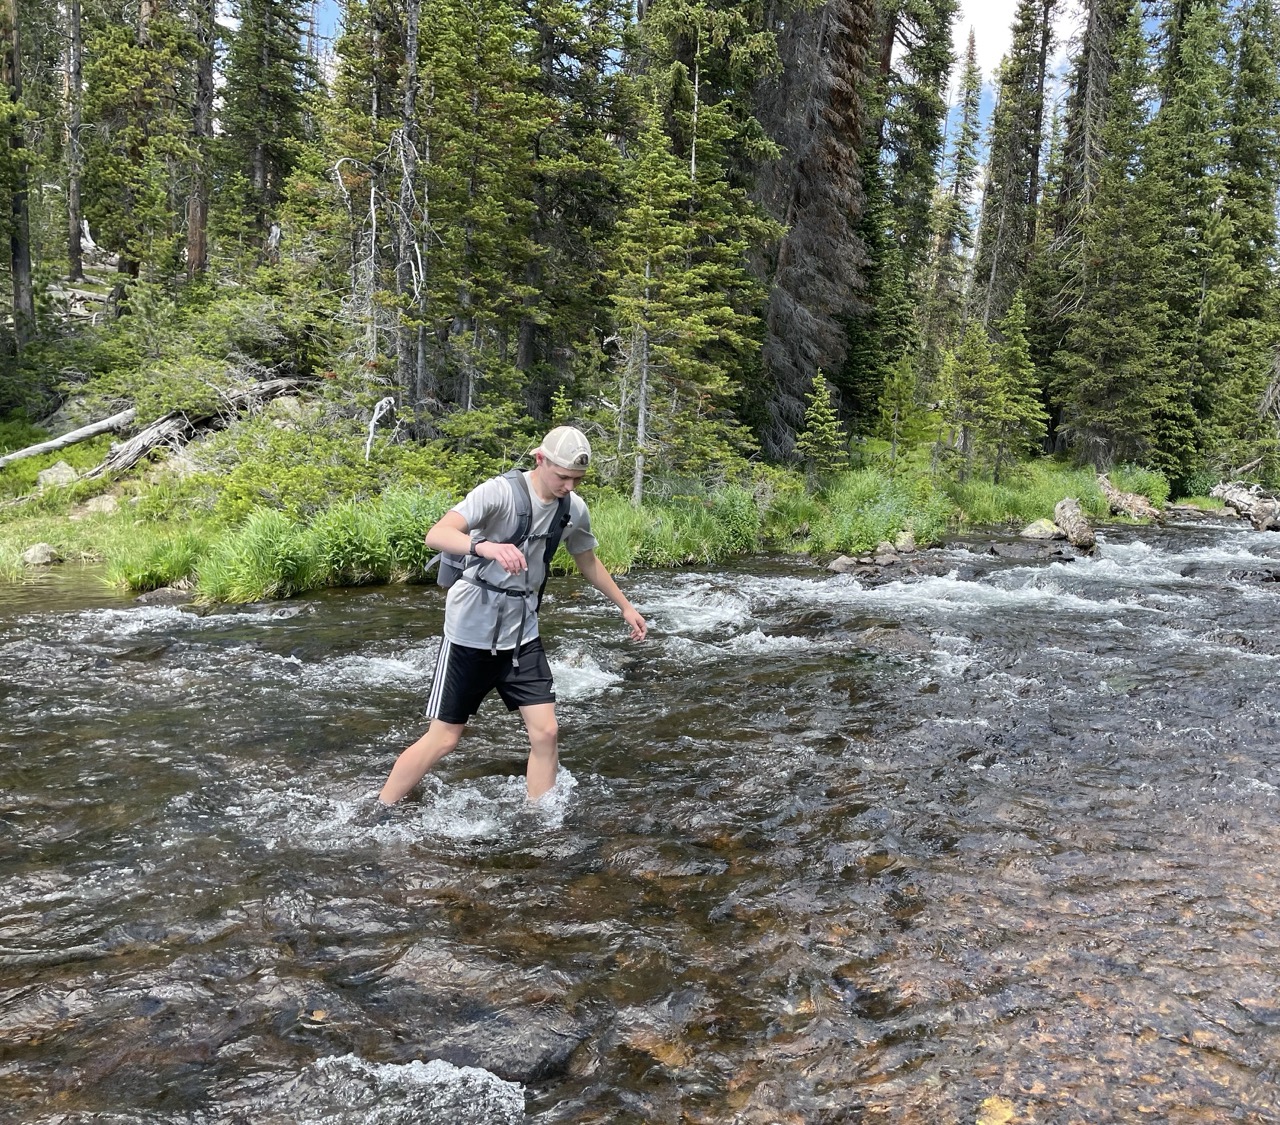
[544, 757]
[414, 763]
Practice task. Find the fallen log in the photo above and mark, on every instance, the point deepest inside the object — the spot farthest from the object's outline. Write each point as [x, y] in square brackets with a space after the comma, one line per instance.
[113, 424]
[1068, 516]
[177, 427]
[1260, 509]
[1132, 504]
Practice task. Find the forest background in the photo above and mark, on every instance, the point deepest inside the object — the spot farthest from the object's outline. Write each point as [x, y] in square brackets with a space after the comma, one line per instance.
[794, 296]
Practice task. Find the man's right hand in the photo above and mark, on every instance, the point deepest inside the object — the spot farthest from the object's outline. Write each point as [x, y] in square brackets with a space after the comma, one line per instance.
[506, 555]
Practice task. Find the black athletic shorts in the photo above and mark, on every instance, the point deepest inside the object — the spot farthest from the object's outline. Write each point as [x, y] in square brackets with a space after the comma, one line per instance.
[464, 676]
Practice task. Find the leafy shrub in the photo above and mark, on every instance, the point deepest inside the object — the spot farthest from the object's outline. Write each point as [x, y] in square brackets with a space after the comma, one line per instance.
[17, 434]
[1198, 483]
[19, 478]
[734, 509]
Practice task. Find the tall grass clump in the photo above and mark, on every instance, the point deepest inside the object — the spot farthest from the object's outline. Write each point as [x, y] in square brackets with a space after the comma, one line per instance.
[1151, 483]
[864, 507]
[268, 557]
[11, 565]
[406, 516]
[619, 529]
[154, 559]
[1030, 494]
[348, 545]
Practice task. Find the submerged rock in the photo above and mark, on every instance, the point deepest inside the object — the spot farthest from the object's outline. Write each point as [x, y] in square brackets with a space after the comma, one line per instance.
[166, 595]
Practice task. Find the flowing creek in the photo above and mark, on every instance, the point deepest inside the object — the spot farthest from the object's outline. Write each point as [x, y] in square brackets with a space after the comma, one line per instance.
[995, 844]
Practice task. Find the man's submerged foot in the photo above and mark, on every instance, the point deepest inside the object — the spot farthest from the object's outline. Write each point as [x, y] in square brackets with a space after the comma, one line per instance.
[371, 812]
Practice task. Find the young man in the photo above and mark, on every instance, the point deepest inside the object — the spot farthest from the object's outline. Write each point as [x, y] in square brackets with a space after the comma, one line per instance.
[490, 619]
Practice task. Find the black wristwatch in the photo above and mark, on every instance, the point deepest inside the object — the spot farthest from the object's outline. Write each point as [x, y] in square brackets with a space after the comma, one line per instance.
[477, 538]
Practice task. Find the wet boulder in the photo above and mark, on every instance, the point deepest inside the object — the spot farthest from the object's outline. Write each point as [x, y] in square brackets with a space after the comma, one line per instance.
[40, 554]
[1042, 529]
[166, 595]
[519, 1046]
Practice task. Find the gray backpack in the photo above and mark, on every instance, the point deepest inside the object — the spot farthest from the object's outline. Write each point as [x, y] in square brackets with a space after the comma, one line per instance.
[452, 567]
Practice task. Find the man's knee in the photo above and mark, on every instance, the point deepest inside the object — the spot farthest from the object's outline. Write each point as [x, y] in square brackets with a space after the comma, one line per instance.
[445, 736]
[543, 729]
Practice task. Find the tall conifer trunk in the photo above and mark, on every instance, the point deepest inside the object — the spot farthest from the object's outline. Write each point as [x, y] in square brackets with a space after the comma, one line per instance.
[75, 109]
[202, 129]
[408, 368]
[24, 313]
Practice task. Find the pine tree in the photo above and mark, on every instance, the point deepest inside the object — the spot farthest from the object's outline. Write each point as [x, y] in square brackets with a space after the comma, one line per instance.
[1006, 230]
[676, 332]
[136, 73]
[902, 418]
[1018, 420]
[822, 443]
[1186, 156]
[943, 296]
[915, 62]
[1110, 380]
[267, 79]
[968, 390]
[1236, 429]
[15, 178]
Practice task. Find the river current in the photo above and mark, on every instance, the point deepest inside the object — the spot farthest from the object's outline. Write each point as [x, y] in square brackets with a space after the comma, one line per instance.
[993, 843]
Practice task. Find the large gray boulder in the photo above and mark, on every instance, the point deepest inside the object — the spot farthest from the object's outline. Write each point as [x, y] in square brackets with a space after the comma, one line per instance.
[56, 476]
[40, 554]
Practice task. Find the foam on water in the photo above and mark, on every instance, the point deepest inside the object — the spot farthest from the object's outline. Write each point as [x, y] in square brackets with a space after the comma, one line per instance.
[578, 676]
[484, 809]
[409, 667]
[92, 624]
[701, 608]
[340, 1089]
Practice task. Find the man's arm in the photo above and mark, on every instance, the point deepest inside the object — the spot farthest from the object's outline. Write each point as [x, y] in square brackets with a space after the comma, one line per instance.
[594, 572]
[451, 533]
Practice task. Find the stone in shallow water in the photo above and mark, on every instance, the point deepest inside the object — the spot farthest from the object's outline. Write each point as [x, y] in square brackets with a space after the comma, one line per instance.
[40, 554]
[1042, 529]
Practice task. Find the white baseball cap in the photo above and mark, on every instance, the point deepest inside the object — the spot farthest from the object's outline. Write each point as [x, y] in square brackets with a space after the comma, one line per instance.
[566, 447]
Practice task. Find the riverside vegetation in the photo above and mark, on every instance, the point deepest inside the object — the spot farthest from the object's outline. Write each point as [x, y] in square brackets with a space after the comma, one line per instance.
[798, 301]
[272, 508]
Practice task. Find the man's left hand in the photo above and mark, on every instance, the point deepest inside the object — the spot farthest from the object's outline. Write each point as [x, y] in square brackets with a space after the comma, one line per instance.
[639, 628]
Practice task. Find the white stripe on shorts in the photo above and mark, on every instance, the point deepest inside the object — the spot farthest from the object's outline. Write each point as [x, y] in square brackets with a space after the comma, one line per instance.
[437, 684]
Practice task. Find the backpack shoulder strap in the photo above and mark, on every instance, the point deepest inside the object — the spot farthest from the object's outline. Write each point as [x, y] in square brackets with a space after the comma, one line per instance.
[554, 534]
[524, 505]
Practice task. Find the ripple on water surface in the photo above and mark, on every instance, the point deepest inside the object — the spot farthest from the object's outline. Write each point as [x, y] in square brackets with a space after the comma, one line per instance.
[991, 845]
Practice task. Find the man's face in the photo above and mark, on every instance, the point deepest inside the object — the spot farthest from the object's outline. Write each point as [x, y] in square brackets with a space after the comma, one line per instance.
[559, 481]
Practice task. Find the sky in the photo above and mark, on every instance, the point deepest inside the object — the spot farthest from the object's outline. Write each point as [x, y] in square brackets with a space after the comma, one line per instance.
[990, 21]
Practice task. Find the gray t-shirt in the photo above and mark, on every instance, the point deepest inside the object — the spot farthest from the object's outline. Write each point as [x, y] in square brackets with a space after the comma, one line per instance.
[471, 612]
